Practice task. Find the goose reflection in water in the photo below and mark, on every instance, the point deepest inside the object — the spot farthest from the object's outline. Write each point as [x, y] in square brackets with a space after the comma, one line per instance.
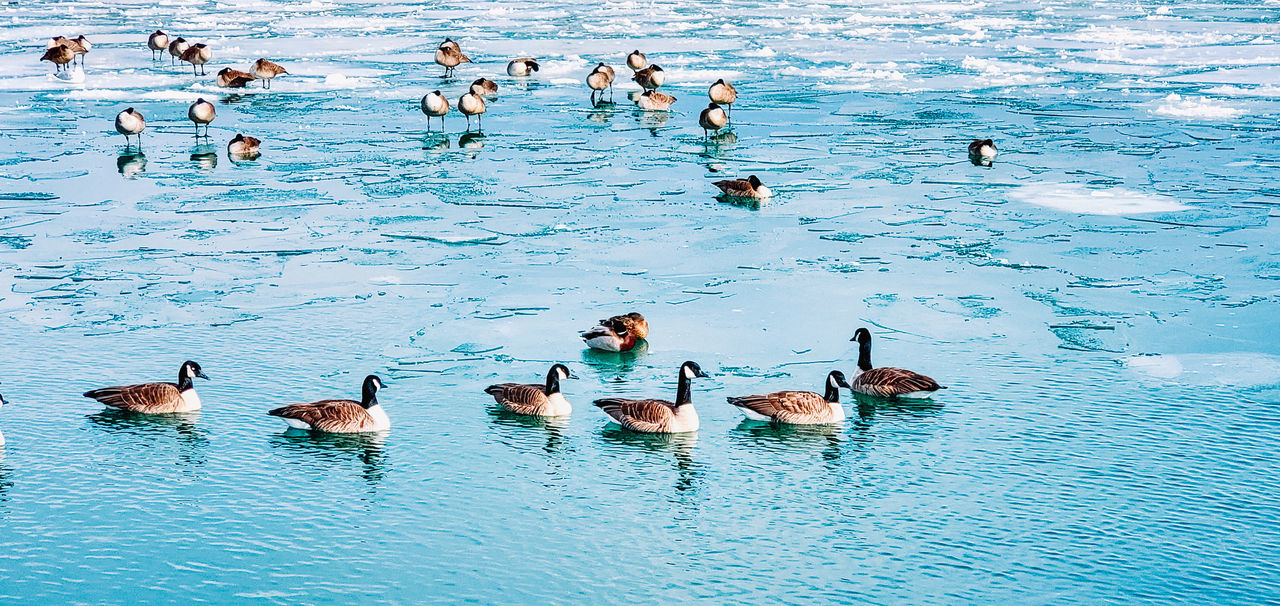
[654, 121]
[436, 141]
[678, 445]
[764, 435]
[334, 449]
[204, 157]
[615, 361]
[602, 112]
[471, 141]
[131, 164]
[182, 428]
[524, 425]
[718, 142]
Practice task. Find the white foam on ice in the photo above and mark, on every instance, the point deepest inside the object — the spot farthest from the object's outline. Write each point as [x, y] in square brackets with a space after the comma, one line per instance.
[1075, 198]
[1177, 106]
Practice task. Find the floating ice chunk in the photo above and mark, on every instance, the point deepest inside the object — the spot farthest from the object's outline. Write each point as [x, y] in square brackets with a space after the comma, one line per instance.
[1241, 369]
[1177, 106]
[1071, 197]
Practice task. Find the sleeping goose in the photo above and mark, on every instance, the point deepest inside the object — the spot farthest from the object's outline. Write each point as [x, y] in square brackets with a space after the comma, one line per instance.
[653, 100]
[887, 382]
[599, 79]
[471, 104]
[658, 416]
[157, 42]
[712, 118]
[537, 400]
[982, 152]
[796, 407]
[130, 122]
[177, 46]
[154, 398]
[484, 87]
[522, 66]
[233, 78]
[751, 187]
[197, 55]
[60, 56]
[339, 416]
[449, 55]
[267, 71]
[650, 78]
[613, 335]
[636, 61]
[723, 93]
[243, 147]
[435, 105]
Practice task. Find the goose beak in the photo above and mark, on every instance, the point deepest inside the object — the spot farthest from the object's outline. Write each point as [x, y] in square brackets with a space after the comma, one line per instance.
[202, 375]
[572, 376]
[853, 338]
[700, 373]
[843, 383]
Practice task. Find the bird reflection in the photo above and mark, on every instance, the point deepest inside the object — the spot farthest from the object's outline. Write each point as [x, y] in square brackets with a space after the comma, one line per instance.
[189, 437]
[234, 98]
[741, 202]
[654, 121]
[870, 407]
[553, 427]
[131, 164]
[825, 439]
[719, 141]
[366, 448]
[436, 141]
[5, 483]
[471, 141]
[615, 361]
[678, 445]
[979, 160]
[603, 112]
[205, 156]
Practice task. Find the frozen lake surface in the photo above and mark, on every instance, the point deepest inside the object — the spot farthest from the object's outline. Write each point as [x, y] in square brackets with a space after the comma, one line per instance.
[1101, 302]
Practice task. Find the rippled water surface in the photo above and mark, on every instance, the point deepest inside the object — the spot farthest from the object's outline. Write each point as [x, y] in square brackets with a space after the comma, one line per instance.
[1101, 302]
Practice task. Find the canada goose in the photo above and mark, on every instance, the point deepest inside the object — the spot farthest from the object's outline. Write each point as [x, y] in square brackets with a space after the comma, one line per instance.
[157, 42]
[472, 104]
[267, 71]
[233, 78]
[243, 146]
[484, 87]
[155, 398]
[796, 407]
[599, 79]
[197, 54]
[340, 416]
[655, 101]
[751, 187]
[636, 61]
[712, 118]
[887, 382]
[522, 67]
[176, 48]
[658, 416]
[201, 112]
[60, 56]
[130, 122]
[723, 93]
[650, 78]
[539, 400]
[79, 46]
[982, 152]
[610, 335]
[435, 105]
[450, 56]
[633, 322]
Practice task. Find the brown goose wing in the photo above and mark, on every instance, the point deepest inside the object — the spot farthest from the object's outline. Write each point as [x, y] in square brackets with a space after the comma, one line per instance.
[889, 381]
[642, 76]
[787, 406]
[650, 416]
[270, 67]
[734, 187]
[328, 415]
[146, 398]
[519, 398]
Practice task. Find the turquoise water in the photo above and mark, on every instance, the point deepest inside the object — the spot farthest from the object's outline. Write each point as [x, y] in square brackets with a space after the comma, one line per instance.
[1101, 303]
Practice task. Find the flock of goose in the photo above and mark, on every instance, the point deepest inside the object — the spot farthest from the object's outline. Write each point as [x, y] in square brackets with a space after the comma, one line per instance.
[63, 51]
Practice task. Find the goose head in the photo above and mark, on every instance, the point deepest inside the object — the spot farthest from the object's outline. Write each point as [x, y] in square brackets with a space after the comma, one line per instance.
[369, 391]
[562, 372]
[862, 336]
[754, 181]
[836, 379]
[190, 370]
[690, 370]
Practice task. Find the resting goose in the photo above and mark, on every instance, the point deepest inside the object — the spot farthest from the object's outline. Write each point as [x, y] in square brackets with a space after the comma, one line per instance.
[723, 93]
[177, 46]
[796, 407]
[267, 71]
[599, 79]
[233, 78]
[522, 67]
[484, 87]
[245, 147]
[653, 100]
[712, 118]
[130, 122]
[751, 187]
[982, 152]
[887, 382]
[449, 55]
[155, 398]
[613, 335]
[658, 416]
[201, 112]
[60, 56]
[197, 55]
[435, 105]
[537, 400]
[471, 104]
[650, 78]
[636, 61]
[157, 42]
[339, 416]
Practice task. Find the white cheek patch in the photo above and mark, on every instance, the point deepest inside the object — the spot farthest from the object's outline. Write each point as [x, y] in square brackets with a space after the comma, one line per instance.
[688, 373]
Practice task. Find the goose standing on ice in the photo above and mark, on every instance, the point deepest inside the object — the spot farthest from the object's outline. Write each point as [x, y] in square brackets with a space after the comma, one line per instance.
[650, 78]
[155, 398]
[751, 187]
[201, 112]
[60, 56]
[435, 105]
[197, 55]
[723, 93]
[79, 46]
[340, 416]
[796, 407]
[887, 382]
[177, 46]
[599, 79]
[982, 152]
[712, 118]
[233, 78]
[242, 147]
[449, 55]
[131, 122]
[636, 61]
[472, 104]
[531, 399]
[658, 416]
[267, 71]
[157, 42]
[522, 67]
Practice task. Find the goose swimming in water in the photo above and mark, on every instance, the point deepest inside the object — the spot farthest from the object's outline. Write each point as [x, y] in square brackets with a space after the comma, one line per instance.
[636, 61]
[650, 78]
[177, 46]
[796, 407]
[339, 416]
[522, 67]
[267, 71]
[472, 104]
[982, 152]
[653, 100]
[723, 93]
[233, 78]
[157, 42]
[155, 398]
[751, 187]
[887, 382]
[130, 122]
[449, 55]
[712, 118]
[201, 112]
[242, 146]
[658, 416]
[197, 55]
[531, 399]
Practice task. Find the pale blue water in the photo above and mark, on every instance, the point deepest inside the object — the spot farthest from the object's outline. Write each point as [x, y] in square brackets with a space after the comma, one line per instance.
[1109, 431]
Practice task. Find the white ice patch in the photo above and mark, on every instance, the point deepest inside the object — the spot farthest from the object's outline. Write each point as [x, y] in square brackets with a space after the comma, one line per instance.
[1074, 198]
[1243, 369]
[1005, 73]
[1177, 106]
